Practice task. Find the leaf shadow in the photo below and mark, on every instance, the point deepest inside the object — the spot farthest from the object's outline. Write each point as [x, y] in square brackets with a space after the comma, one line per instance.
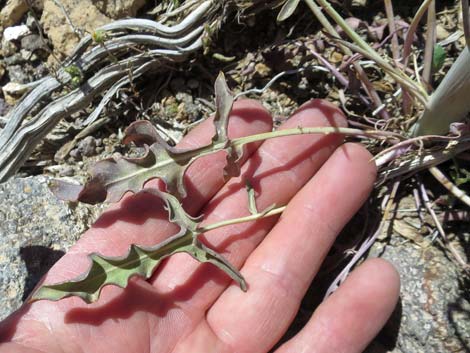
[254, 162]
[135, 209]
[140, 296]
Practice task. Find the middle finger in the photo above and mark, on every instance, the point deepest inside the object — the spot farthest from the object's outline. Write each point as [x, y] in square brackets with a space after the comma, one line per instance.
[277, 170]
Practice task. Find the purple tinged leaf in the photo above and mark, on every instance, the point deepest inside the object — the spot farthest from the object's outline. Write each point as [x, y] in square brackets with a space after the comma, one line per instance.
[142, 132]
[112, 178]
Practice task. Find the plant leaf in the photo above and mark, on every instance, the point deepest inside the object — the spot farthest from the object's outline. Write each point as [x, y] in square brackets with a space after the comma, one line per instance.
[224, 102]
[112, 178]
[140, 261]
[439, 56]
[204, 254]
[287, 10]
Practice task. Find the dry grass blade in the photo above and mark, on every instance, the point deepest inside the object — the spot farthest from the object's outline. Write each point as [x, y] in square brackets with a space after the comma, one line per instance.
[453, 189]
[389, 200]
[428, 205]
[412, 30]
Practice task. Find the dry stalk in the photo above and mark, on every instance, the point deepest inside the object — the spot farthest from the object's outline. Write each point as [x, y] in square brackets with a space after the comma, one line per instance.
[453, 189]
[389, 201]
[392, 29]
[430, 42]
[440, 229]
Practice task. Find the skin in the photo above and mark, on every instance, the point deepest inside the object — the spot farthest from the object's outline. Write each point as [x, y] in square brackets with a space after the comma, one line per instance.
[192, 307]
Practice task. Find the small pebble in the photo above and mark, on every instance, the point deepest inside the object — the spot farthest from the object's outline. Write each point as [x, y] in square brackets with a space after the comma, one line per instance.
[87, 146]
[67, 171]
[75, 154]
[31, 42]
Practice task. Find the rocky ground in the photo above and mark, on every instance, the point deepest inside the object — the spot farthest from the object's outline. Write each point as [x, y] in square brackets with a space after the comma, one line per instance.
[35, 228]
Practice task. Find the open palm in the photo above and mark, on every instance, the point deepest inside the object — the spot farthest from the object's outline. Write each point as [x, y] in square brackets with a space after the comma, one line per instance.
[192, 307]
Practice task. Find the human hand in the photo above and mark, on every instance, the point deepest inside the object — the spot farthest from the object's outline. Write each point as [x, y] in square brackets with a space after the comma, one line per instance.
[192, 307]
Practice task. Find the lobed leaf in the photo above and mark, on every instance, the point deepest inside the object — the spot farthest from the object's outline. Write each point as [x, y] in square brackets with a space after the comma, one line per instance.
[112, 178]
[251, 198]
[140, 261]
[117, 271]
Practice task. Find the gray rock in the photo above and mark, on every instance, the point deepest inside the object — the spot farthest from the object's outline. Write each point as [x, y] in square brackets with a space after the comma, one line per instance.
[32, 42]
[35, 230]
[75, 154]
[184, 97]
[18, 74]
[434, 310]
[14, 59]
[67, 171]
[87, 146]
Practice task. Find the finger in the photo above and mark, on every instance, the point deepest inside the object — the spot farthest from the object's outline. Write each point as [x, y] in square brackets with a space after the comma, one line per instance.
[282, 267]
[277, 170]
[135, 219]
[352, 316]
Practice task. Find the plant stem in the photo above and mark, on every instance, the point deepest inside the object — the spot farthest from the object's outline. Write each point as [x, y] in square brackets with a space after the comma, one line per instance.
[342, 23]
[412, 30]
[249, 218]
[311, 130]
[466, 22]
[392, 29]
[430, 42]
[414, 88]
[453, 189]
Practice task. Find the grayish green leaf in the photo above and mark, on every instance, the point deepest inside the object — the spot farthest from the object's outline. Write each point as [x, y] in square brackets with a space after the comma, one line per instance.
[140, 261]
